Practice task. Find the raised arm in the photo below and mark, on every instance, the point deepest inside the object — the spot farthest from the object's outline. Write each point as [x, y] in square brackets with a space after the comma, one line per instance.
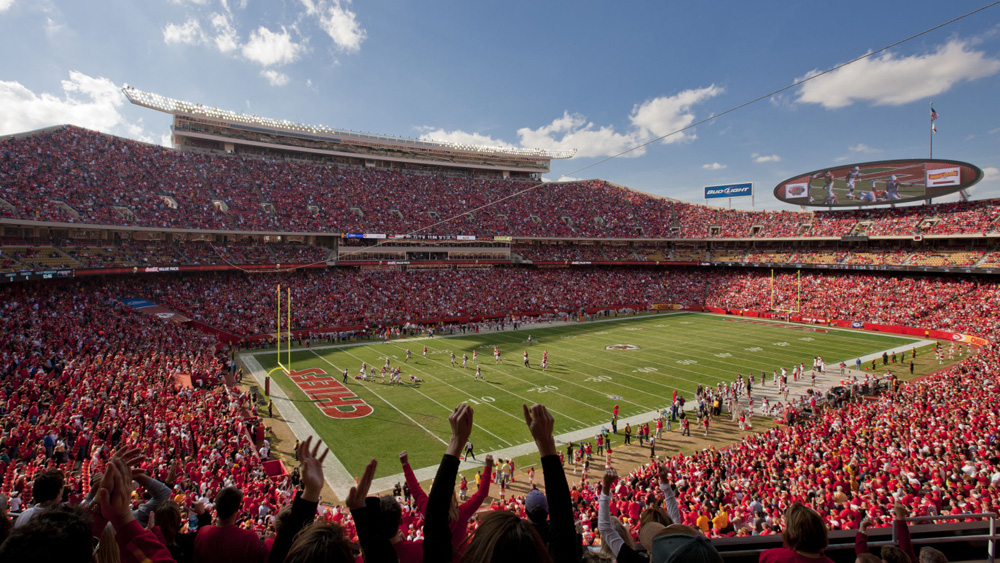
[902, 530]
[419, 496]
[365, 512]
[608, 533]
[469, 507]
[437, 532]
[563, 546]
[305, 503]
[668, 495]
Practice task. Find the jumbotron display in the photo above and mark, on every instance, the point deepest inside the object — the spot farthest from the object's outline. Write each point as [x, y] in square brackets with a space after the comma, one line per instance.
[878, 183]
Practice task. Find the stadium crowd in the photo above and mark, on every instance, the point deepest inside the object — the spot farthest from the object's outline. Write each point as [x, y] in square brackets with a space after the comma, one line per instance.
[74, 175]
[94, 394]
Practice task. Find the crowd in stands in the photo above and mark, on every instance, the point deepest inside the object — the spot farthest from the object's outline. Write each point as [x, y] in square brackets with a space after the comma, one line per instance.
[79, 176]
[92, 396]
[236, 303]
[135, 253]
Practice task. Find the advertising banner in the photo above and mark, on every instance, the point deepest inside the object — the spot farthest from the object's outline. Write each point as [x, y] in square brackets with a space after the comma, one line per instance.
[729, 190]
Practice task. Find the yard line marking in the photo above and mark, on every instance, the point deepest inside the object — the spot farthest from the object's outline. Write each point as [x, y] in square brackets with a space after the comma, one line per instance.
[449, 409]
[383, 399]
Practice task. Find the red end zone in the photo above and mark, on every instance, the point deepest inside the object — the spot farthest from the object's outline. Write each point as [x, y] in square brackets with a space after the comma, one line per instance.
[331, 397]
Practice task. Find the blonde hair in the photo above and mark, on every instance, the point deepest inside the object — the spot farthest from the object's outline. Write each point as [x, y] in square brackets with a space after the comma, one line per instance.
[108, 552]
[622, 531]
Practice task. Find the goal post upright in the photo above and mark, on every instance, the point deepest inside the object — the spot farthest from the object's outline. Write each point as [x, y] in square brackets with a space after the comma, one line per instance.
[288, 329]
[286, 367]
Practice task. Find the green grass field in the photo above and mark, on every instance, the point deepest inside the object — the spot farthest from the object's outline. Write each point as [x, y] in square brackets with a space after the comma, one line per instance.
[584, 380]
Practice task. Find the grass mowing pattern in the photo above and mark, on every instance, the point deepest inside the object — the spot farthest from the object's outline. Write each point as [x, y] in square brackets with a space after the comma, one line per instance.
[583, 382]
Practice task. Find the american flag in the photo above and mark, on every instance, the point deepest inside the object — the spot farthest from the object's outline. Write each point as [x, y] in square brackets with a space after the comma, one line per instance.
[934, 114]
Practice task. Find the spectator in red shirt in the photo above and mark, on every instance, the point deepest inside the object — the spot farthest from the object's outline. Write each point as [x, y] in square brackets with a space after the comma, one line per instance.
[224, 541]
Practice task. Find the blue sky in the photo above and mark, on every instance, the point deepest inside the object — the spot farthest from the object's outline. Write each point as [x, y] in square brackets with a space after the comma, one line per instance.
[598, 77]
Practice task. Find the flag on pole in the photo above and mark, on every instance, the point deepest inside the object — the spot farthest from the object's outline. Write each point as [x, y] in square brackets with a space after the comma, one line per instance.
[934, 114]
[933, 128]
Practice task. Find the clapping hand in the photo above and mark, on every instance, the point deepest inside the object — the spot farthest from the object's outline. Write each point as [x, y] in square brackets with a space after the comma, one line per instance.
[312, 469]
[540, 424]
[356, 496]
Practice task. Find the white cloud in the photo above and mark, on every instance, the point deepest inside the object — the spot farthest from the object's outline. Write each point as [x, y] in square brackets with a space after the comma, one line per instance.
[713, 166]
[649, 120]
[187, 33]
[274, 77]
[53, 28]
[991, 174]
[863, 148]
[226, 40]
[890, 80]
[5, 5]
[460, 138]
[666, 114]
[93, 103]
[575, 132]
[338, 22]
[760, 158]
[267, 48]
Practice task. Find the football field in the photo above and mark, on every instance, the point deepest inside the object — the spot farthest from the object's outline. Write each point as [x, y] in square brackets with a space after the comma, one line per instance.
[635, 363]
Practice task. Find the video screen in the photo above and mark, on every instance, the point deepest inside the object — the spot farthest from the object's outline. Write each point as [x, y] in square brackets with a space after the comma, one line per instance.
[878, 183]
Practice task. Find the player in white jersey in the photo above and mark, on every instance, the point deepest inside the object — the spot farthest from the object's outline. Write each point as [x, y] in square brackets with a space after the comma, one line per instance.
[853, 176]
[407, 355]
[452, 359]
[465, 361]
[479, 374]
[892, 188]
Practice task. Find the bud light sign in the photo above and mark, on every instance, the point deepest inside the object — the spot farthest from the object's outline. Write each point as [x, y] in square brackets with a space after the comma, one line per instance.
[730, 190]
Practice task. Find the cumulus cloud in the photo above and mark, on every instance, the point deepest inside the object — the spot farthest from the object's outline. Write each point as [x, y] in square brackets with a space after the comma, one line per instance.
[575, 132]
[187, 33]
[86, 101]
[226, 40]
[267, 48]
[760, 158]
[713, 166]
[274, 77]
[863, 148]
[5, 5]
[460, 138]
[991, 174]
[338, 22]
[649, 120]
[887, 79]
[666, 114]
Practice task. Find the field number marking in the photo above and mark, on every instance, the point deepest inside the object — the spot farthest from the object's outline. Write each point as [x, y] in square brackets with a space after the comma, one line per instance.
[723, 355]
[645, 370]
[598, 378]
[486, 399]
[544, 389]
[686, 362]
[782, 344]
[754, 349]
